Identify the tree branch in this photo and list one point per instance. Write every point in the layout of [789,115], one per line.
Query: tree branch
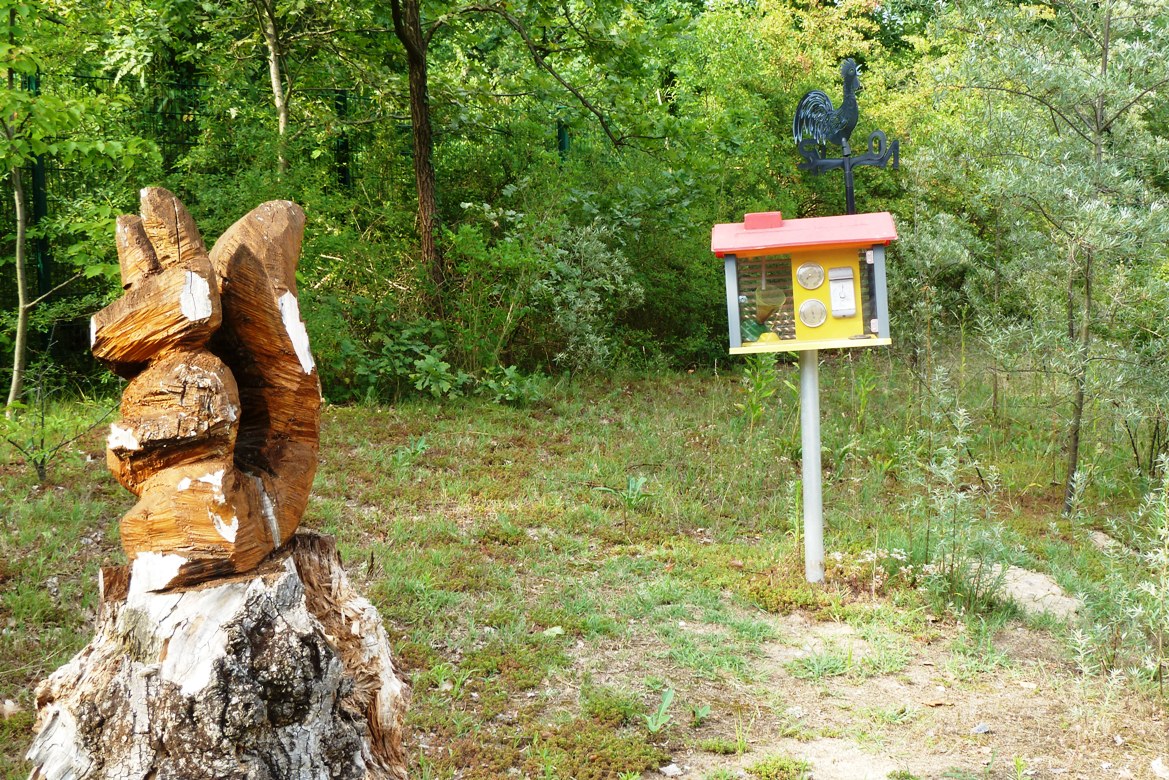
[1051,220]
[538,58]
[68,281]
[1032,96]
[1120,112]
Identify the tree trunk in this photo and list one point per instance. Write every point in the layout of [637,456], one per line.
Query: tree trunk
[408,28]
[20,343]
[285,674]
[1081,384]
[267,14]
[1083,340]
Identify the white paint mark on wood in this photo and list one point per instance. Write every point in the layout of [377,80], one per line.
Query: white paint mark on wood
[92,331]
[154,571]
[290,312]
[122,439]
[226,530]
[215,479]
[195,298]
[184,483]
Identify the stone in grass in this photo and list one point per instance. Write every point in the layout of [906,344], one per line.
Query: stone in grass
[671,770]
[281,674]
[1036,593]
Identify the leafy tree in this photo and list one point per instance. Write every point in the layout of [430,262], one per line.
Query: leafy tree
[34,123]
[551,37]
[1067,86]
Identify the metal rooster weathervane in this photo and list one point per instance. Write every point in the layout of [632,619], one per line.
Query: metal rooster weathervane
[816,124]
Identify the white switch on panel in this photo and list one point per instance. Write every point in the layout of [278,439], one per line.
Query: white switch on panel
[841,294]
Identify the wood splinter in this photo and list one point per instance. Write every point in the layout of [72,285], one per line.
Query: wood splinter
[220,421]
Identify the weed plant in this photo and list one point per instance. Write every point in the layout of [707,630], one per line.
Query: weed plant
[955,540]
[46,428]
[1129,609]
[760,383]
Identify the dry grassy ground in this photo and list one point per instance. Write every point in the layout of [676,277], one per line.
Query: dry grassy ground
[551,574]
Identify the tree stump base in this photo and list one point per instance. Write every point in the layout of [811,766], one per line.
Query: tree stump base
[284,673]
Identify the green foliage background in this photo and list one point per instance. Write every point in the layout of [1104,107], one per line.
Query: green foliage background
[1030,200]
[1028,291]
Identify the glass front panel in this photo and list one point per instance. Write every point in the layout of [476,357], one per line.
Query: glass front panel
[766,303]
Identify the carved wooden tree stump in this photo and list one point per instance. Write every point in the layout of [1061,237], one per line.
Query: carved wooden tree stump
[229,647]
[284,674]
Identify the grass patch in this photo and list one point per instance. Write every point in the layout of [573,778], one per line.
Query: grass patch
[890,716]
[883,656]
[504,576]
[780,768]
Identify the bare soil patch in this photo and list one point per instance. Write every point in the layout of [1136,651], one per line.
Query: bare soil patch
[1026,713]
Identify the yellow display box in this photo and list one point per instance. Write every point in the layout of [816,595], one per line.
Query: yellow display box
[803,284]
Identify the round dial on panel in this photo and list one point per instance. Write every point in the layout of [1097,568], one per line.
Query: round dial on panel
[810,275]
[813,313]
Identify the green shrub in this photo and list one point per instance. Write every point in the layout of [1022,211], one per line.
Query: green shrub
[577,299]
[509,386]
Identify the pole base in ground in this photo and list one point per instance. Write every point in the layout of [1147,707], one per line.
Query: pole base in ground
[284,673]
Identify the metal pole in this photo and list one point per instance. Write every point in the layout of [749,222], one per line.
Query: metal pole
[810,457]
[341,144]
[562,138]
[849,189]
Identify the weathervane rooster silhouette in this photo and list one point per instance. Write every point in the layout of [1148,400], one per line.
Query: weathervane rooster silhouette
[816,124]
[816,119]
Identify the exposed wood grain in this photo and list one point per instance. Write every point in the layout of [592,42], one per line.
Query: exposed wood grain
[361,641]
[177,308]
[171,230]
[135,252]
[183,408]
[265,343]
[220,421]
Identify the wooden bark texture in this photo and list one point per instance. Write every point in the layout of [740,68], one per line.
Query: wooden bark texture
[219,436]
[283,674]
[360,638]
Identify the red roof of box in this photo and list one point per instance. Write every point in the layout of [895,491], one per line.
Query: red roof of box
[769,231]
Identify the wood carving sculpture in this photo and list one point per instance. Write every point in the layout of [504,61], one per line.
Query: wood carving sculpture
[285,672]
[220,420]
